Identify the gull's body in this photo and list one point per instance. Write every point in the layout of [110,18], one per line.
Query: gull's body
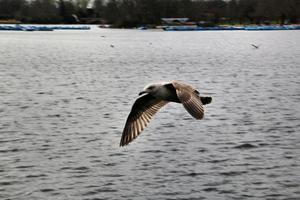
[154,97]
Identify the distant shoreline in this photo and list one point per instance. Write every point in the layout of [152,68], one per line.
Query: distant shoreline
[149,26]
[52,27]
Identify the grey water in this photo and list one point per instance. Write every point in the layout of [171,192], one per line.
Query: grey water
[65,96]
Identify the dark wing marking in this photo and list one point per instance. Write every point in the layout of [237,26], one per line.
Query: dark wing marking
[140,115]
[190,99]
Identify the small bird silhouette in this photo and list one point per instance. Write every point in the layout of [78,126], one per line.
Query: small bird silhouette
[255,46]
[154,97]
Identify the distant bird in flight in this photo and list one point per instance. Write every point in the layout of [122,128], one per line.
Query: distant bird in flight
[255,46]
[154,97]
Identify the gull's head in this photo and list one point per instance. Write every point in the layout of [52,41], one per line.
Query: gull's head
[151,88]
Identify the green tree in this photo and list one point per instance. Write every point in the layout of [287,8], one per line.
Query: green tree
[99,8]
[12,9]
[112,12]
[43,11]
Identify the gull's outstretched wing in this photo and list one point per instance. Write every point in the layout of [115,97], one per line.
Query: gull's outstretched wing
[188,96]
[140,115]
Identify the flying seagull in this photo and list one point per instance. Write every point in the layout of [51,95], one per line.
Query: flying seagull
[255,46]
[154,97]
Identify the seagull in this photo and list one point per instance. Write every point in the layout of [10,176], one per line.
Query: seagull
[255,46]
[155,96]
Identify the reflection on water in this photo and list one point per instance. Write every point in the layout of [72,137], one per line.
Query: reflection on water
[65,96]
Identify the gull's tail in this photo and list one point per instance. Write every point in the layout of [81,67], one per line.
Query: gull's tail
[206,100]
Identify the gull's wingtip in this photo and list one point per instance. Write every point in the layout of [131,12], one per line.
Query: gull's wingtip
[122,144]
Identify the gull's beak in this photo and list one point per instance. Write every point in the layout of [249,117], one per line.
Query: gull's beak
[142,92]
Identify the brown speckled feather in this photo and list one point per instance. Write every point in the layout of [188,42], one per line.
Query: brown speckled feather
[188,96]
[141,113]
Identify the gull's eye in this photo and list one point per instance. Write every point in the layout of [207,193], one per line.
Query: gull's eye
[151,87]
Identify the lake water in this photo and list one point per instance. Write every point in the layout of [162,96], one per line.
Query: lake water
[65,96]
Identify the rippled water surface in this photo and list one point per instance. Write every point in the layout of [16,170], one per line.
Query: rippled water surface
[65,96]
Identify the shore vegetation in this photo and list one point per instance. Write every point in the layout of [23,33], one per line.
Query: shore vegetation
[133,13]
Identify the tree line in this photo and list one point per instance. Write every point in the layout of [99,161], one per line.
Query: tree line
[131,13]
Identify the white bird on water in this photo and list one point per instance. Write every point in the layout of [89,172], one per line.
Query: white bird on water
[154,97]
